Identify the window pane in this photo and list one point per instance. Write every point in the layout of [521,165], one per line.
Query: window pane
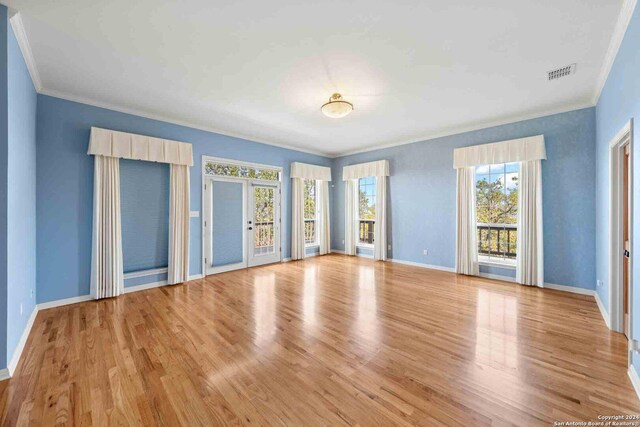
[497,210]
[264,227]
[309,199]
[309,211]
[240,171]
[497,169]
[366,209]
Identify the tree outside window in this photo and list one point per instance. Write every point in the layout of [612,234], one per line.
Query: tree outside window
[497,211]
[310,212]
[366,209]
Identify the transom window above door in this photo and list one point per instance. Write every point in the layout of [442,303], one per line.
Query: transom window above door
[497,213]
[240,170]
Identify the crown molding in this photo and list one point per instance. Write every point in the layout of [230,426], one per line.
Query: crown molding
[619,30]
[621,25]
[470,128]
[25,48]
[167,119]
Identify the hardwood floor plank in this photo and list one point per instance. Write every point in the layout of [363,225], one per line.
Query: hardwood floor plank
[333,340]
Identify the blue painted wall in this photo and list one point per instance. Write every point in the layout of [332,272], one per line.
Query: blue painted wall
[21,196]
[619,102]
[64,185]
[144,211]
[422,189]
[4,155]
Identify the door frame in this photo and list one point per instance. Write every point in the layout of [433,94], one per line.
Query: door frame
[203,178]
[616,194]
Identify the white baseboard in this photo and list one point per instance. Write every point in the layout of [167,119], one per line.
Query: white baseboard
[4,374]
[635,379]
[572,289]
[286,260]
[137,288]
[65,301]
[13,363]
[196,277]
[337,251]
[603,311]
[421,265]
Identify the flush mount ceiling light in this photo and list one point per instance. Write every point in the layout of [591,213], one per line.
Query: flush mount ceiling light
[336,107]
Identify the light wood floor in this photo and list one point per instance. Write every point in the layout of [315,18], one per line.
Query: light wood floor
[331,340]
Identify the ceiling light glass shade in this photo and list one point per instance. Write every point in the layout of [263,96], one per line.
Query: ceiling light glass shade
[337,107]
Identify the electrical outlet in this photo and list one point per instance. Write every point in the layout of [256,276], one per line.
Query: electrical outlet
[20,309]
[425,252]
[599,283]
[31,293]
[343,242]
[389,247]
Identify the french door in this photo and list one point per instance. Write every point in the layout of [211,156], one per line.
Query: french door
[241,223]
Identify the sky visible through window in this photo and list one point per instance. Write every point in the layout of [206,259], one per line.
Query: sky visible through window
[367,198]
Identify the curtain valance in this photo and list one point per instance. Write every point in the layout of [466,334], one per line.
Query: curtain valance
[363,170]
[515,150]
[111,143]
[307,171]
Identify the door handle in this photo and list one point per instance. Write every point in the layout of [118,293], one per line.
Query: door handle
[250,228]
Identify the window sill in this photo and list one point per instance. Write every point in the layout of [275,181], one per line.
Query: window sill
[311,245]
[490,263]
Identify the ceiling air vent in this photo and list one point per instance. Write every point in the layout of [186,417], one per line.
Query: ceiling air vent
[561,72]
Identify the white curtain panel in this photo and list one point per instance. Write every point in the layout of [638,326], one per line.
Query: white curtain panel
[297,218]
[324,229]
[350,213]
[466,239]
[380,230]
[530,260]
[179,217]
[107,276]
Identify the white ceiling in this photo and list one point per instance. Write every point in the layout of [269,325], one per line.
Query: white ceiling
[261,69]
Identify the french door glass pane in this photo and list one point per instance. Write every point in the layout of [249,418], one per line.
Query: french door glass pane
[264,227]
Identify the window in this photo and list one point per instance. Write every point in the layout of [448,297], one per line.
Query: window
[497,212]
[366,210]
[241,171]
[310,213]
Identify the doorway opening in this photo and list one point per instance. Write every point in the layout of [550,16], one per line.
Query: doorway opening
[621,204]
[241,214]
